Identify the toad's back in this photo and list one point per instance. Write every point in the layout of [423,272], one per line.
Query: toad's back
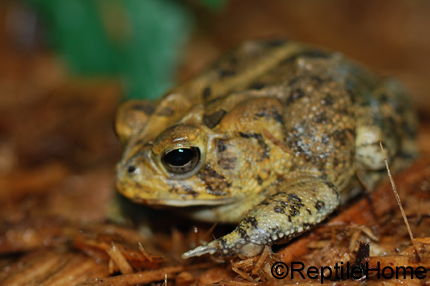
[268,136]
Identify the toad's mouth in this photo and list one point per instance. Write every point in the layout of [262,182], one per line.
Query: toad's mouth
[185,202]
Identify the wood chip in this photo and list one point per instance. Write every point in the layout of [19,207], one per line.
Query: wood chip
[119,260]
[261,260]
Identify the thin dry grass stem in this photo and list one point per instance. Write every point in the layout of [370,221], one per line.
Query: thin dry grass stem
[358,229]
[368,232]
[399,202]
[147,256]
[261,260]
[210,230]
[277,142]
[198,238]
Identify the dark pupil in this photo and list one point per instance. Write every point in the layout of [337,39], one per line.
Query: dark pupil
[179,157]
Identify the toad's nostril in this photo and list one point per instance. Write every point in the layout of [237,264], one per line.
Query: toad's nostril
[131,169]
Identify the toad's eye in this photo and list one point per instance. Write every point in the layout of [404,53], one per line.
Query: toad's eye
[181,160]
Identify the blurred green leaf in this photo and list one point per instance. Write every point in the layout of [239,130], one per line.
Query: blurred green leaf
[140,40]
[75,29]
[161,29]
[214,4]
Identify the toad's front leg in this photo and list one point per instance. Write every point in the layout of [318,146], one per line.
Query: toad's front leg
[277,219]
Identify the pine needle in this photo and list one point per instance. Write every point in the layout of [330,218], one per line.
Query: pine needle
[399,203]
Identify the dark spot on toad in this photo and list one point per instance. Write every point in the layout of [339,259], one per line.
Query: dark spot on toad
[272,113]
[209,172]
[321,118]
[263,145]
[226,73]
[213,119]
[307,225]
[217,191]
[257,85]
[340,136]
[335,162]
[215,183]
[328,100]
[252,221]
[222,242]
[166,111]
[228,163]
[148,109]
[277,116]
[317,80]
[295,94]
[242,232]
[190,190]
[319,205]
[294,211]
[383,98]
[294,197]
[207,92]
[330,185]
[259,180]
[221,147]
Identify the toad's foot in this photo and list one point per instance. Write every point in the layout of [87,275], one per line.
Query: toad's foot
[277,219]
[231,244]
